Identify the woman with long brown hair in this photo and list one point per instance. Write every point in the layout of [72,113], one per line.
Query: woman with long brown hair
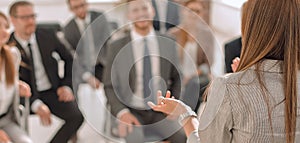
[10,130]
[259,102]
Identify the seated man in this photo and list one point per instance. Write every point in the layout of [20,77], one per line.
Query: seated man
[50,93]
[139,64]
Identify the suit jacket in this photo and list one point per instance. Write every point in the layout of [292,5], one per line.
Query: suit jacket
[172,15]
[232,50]
[120,74]
[48,44]
[236,111]
[101,32]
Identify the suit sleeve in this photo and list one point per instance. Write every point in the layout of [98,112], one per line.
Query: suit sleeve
[109,78]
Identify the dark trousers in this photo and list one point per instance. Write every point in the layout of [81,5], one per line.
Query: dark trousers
[155,127]
[67,111]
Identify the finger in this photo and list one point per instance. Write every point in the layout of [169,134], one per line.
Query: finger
[173,97]
[129,128]
[122,130]
[151,104]
[136,122]
[158,95]
[49,121]
[168,94]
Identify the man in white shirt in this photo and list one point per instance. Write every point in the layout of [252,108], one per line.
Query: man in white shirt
[139,64]
[50,93]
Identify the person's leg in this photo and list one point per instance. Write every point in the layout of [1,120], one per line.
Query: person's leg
[137,134]
[69,112]
[16,134]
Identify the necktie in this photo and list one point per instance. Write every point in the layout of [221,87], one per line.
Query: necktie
[147,74]
[32,65]
[31,55]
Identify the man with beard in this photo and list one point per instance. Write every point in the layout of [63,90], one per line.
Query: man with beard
[139,64]
[50,93]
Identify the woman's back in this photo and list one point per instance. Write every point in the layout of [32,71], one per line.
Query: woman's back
[245,109]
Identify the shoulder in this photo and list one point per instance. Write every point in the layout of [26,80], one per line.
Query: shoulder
[93,12]
[44,32]
[70,23]
[119,43]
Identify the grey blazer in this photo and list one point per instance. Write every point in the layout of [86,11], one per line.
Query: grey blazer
[100,29]
[120,75]
[236,111]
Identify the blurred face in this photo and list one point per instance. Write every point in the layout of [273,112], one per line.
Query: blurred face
[141,13]
[4,33]
[196,8]
[79,8]
[24,20]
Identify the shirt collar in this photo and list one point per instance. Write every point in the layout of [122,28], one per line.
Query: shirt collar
[86,20]
[24,43]
[136,36]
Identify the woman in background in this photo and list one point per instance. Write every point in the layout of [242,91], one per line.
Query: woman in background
[10,130]
[195,47]
[258,103]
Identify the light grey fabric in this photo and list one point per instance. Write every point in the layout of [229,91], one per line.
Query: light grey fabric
[237,113]
[16,134]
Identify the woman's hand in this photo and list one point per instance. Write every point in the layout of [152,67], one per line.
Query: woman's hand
[168,105]
[4,138]
[235,64]
[24,89]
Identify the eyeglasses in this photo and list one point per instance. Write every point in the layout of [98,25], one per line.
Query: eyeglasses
[76,7]
[26,17]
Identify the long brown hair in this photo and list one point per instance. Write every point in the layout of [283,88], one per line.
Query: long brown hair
[271,30]
[6,61]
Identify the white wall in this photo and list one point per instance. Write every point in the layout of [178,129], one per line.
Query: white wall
[225,20]
[57,10]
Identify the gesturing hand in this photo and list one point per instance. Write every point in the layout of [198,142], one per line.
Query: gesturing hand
[168,105]
[4,138]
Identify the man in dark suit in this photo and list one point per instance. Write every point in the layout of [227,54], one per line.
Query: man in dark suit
[139,64]
[39,68]
[87,41]
[232,50]
[166,15]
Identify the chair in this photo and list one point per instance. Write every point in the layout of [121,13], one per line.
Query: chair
[25,112]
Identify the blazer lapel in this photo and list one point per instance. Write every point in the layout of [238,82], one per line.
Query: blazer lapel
[76,31]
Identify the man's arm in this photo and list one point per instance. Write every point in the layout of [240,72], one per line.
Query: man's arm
[110,77]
